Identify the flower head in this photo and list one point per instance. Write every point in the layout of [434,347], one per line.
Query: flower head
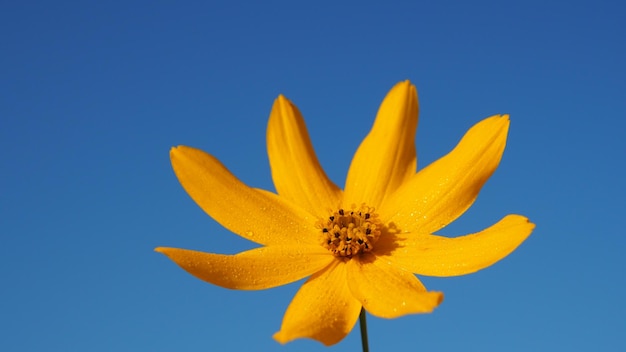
[361,246]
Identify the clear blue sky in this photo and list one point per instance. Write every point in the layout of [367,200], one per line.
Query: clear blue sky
[93,95]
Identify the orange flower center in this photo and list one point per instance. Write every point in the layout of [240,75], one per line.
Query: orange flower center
[349,232]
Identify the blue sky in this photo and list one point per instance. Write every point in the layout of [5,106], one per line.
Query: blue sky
[93,95]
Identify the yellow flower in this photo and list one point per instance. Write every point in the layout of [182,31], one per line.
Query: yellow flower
[361,246]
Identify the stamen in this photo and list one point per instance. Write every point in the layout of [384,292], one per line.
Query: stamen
[352,232]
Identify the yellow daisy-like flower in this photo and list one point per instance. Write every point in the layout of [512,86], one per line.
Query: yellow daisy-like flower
[361,246]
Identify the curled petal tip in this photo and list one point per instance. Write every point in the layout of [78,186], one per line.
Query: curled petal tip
[406,84]
[280,338]
[281,103]
[440,297]
[433,299]
[177,149]
[501,118]
[531,225]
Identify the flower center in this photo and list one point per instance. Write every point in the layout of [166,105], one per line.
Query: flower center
[349,232]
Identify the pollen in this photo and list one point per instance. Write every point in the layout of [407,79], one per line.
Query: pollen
[347,233]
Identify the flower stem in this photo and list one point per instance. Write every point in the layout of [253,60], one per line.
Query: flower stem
[363,325]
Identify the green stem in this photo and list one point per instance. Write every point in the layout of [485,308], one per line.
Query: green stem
[363,325]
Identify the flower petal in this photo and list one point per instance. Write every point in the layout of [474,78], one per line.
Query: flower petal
[255,269]
[386,157]
[441,192]
[258,216]
[432,255]
[296,171]
[387,291]
[323,309]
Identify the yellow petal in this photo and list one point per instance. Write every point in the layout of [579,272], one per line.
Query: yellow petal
[386,157]
[258,216]
[323,309]
[387,291]
[441,192]
[255,269]
[432,255]
[296,172]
